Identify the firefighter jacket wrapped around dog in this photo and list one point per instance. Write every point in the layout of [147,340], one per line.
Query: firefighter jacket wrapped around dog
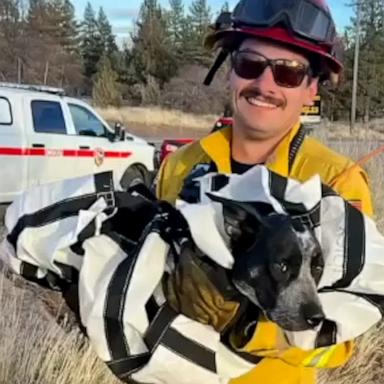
[84,231]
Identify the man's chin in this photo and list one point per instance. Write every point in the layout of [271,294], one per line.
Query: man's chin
[254,132]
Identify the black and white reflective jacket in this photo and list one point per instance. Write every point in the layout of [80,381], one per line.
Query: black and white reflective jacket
[63,231]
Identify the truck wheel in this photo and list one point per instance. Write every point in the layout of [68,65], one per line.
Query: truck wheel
[135,174]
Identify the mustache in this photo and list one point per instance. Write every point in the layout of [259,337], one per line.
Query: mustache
[256,92]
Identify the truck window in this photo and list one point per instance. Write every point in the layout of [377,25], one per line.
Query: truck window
[48,117]
[86,123]
[5,112]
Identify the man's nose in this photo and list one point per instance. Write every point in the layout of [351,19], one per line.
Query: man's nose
[266,80]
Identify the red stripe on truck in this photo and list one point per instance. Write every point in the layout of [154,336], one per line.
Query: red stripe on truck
[12,151]
[86,153]
[22,151]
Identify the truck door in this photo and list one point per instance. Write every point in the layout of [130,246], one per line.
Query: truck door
[57,153]
[92,133]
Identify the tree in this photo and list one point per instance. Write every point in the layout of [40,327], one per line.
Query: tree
[370,95]
[371,68]
[176,26]
[152,52]
[91,44]
[69,28]
[108,42]
[106,90]
[199,21]
[67,39]
[11,27]
[51,53]
[225,7]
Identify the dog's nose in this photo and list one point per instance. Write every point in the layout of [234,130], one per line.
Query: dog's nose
[315,320]
[313,314]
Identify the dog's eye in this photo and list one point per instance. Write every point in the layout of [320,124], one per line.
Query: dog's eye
[317,272]
[318,269]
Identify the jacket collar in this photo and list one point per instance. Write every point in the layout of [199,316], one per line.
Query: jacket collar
[218,147]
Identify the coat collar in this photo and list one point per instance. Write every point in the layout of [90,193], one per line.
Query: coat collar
[218,147]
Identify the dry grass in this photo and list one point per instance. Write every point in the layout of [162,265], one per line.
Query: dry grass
[356,150]
[367,363]
[34,349]
[155,121]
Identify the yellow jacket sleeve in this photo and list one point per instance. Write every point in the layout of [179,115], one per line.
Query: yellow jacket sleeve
[160,181]
[268,341]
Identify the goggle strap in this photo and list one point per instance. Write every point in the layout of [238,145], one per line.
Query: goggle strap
[221,57]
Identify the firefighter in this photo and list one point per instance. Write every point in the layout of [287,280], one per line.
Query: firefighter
[279,52]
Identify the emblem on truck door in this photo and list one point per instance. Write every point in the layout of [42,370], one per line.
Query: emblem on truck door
[99,156]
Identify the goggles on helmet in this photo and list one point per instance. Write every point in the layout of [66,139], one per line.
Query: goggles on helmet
[304,17]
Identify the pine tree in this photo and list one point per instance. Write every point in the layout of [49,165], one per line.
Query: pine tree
[225,7]
[190,48]
[176,25]
[372,57]
[200,19]
[152,52]
[106,90]
[10,38]
[371,62]
[69,28]
[91,42]
[38,18]
[105,30]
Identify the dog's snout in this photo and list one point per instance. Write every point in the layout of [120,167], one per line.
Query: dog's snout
[313,314]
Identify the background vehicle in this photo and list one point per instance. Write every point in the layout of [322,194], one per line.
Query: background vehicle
[46,136]
[171,145]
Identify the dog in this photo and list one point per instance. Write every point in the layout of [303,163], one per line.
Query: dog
[278,263]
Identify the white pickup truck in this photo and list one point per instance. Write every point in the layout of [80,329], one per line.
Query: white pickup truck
[46,136]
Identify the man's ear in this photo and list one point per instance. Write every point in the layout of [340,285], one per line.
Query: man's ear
[242,218]
[312,90]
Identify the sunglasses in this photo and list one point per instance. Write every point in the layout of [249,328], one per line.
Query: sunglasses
[286,73]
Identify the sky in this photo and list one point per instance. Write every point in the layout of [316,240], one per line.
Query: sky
[122,13]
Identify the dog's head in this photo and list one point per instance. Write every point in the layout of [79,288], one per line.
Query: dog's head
[278,264]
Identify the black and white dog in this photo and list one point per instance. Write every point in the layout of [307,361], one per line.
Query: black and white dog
[278,263]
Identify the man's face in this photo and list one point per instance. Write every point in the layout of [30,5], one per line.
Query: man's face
[262,108]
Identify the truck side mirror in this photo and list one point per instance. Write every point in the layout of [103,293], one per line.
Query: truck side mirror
[119,132]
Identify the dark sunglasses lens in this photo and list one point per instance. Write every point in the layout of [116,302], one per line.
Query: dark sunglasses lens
[288,76]
[248,68]
[286,73]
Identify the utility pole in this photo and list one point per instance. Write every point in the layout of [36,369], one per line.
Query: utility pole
[355,67]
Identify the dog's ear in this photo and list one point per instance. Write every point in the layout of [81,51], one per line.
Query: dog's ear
[242,218]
